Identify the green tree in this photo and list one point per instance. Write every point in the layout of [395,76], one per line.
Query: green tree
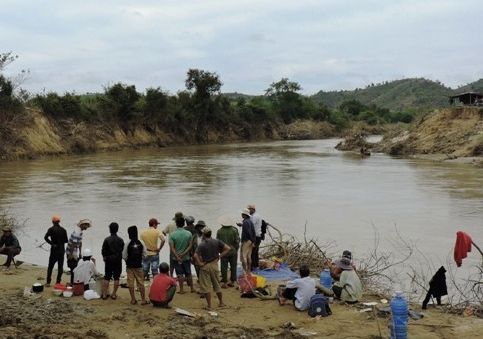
[119,102]
[204,86]
[287,102]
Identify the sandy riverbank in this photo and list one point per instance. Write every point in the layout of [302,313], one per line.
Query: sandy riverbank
[46,316]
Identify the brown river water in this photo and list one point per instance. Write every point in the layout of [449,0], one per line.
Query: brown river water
[340,196]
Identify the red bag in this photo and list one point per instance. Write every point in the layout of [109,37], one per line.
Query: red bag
[247,283]
[78,289]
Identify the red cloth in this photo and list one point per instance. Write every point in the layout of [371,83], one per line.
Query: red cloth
[462,247]
[159,289]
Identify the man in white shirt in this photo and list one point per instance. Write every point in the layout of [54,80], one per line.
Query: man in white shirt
[86,269]
[299,290]
[257,223]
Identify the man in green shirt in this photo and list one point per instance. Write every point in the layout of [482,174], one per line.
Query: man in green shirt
[180,243]
[230,236]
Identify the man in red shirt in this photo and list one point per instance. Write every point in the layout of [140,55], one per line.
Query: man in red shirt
[163,288]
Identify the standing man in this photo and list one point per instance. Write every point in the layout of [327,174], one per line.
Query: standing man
[133,253]
[112,248]
[151,237]
[170,228]
[248,238]
[257,224]
[74,246]
[9,245]
[206,256]
[180,242]
[230,236]
[56,237]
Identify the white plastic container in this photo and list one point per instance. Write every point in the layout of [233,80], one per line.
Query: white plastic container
[67,294]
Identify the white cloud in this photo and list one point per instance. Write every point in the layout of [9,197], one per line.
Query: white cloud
[325,44]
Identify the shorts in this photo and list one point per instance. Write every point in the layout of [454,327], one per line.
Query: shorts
[246,251]
[183,268]
[135,274]
[112,270]
[209,277]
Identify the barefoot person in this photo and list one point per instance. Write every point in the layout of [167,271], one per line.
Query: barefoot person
[230,236]
[207,255]
[74,246]
[180,242]
[9,245]
[299,290]
[112,253]
[56,237]
[133,254]
[163,289]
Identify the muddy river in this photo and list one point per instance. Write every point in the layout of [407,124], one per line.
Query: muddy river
[341,197]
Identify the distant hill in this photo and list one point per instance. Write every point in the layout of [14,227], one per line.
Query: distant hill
[476,86]
[414,93]
[236,95]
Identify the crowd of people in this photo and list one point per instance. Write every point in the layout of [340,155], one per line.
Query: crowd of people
[190,244]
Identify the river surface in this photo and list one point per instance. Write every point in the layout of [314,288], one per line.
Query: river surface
[340,196]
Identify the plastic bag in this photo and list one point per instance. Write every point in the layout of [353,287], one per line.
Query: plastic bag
[90,294]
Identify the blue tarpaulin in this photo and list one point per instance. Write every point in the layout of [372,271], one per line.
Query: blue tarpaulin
[284,273]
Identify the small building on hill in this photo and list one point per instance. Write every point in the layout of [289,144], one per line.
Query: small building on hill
[467,98]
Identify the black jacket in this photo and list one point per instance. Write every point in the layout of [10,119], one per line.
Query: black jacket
[56,237]
[112,248]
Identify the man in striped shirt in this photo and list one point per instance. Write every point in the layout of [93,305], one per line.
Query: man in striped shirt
[74,246]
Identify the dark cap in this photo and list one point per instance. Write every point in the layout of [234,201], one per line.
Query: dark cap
[178,215]
[153,222]
[200,223]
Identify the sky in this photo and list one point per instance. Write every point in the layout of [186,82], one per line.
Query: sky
[84,46]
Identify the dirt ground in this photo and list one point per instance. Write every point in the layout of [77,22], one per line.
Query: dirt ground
[47,316]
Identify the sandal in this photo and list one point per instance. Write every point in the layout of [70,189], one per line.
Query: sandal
[105,297]
[144,302]
[113,297]
[134,302]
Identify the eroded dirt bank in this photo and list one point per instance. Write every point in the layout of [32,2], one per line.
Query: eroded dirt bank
[36,135]
[445,134]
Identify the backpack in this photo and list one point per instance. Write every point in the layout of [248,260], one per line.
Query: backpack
[319,305]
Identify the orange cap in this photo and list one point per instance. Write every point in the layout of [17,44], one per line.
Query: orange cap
[56,218]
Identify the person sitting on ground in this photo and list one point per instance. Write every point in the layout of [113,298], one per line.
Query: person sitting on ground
[9,245]
[230,236]
[335,271]
[207,255]
[133,254]
[180,242]
[299,290]
[85,272]
[248,239]
[348,288]
[56,237]
[154,241]
[163,289]
[112,248]
[74,246]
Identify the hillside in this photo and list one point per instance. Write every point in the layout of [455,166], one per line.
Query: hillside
[476,86]
[415,93]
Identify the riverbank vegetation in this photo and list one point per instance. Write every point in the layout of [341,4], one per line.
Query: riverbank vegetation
[122,116]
